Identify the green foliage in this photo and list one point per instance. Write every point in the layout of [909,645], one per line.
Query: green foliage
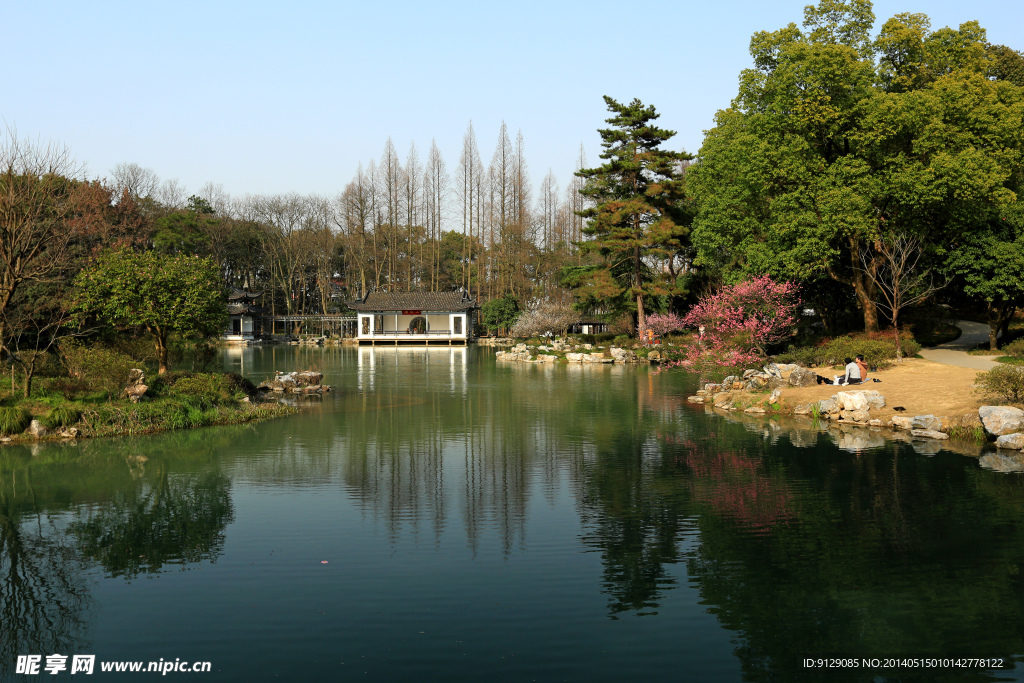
[500,314]
[835,142]
[14,420]
[101,368]
[1005,382]
[162,295]
[640,213]
[211,388]
[1015,348]
[61,416]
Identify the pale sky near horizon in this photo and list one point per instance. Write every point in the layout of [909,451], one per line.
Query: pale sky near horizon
[267,97]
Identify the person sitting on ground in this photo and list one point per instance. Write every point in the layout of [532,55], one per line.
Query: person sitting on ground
[859,360]
[852,375]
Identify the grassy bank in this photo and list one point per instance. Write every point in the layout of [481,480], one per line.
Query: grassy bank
[181,400]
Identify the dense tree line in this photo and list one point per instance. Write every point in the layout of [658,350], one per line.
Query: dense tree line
[837,146]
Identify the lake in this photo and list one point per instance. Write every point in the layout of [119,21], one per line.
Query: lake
[440,516]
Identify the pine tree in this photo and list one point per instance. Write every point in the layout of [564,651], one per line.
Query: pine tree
[636,218]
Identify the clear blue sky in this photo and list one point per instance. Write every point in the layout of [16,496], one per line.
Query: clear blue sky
[275,97]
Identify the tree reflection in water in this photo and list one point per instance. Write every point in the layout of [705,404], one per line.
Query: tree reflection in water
[163,520]
[44,599]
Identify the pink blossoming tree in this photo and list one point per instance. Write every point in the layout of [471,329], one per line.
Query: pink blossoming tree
[737,324]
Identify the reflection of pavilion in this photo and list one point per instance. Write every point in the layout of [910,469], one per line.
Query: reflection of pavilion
[439,365]
[415,318]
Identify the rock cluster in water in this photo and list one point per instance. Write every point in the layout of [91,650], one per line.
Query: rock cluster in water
[573,353]
[306,382]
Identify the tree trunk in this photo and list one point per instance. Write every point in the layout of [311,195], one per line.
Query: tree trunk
[864,289]
[161,351]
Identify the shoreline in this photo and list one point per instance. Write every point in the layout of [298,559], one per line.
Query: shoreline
[930,405]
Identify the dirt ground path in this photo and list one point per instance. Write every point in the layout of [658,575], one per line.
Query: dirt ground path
[921,386]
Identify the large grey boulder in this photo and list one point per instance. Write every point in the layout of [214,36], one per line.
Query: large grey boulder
[1013,442]
[902,422]
[802,377]
[999,420]
[36,428]
[927,422]
[928,434]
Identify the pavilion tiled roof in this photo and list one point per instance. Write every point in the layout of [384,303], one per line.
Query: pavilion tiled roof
[414,301]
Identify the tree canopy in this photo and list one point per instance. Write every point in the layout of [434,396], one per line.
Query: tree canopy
[836,141]
[638,215]
[160,294]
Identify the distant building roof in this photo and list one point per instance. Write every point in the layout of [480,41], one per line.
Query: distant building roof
[414,301]
[243,309]
[241,295]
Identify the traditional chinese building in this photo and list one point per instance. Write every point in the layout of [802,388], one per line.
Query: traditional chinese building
[245,318]
[415,318]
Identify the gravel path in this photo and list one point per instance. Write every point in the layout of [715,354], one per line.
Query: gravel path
[955,352]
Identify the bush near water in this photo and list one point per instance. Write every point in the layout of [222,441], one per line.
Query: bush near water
[878,349]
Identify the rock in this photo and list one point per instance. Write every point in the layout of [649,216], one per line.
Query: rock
[875,423]
[776,382]
[775,396]
[747,374]
[928,434]
[518,348]
[712,388]
[773,370]
[852,400]
[754,410]
[860,416]
[135,389]
[654,355]
[574,357]
[5,439]
[720,397]
[69,433]
[1000,420]
[926,422]
[802,410]
[786,367]
[1014,442]
[547,359]
[758,382]
[902,422]
[36,428]
[695,399]
[728,381]
[802,377]
[828,405]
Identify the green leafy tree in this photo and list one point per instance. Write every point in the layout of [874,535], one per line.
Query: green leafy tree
[500,314]
[162,295]
[836,142]
[638,215]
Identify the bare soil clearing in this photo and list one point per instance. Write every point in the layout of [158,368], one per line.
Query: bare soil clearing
[921,386]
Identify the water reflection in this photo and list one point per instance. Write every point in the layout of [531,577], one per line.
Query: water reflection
[44,597]
[802,539]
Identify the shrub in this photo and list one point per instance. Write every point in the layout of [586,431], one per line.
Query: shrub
[621,340]
[14,420]
[1005,381]
[878,349]
[212,387]
[62,416]
[100,367]
[70,387]
[1015,348]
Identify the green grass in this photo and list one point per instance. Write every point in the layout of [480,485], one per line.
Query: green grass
[1010,360]
[14,420]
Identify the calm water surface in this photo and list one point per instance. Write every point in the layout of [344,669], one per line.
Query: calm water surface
[441,517]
